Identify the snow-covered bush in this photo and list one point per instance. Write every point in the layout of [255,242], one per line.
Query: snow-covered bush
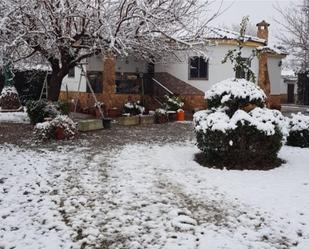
[61,127]
[133,108]
[238,132]
[173,103]
[298,131]
[161,116]
[9,98]
[39,110]
[235,94]
[266,115]
[240,142]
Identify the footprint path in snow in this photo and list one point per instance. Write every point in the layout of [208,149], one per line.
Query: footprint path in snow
[146,196]
[129,197]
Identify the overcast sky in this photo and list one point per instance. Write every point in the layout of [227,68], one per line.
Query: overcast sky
[258,10]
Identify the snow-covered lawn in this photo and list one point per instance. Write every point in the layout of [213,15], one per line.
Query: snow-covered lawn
[149,196]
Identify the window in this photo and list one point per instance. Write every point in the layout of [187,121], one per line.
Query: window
[129,83]
[240,72]
[199,68]
[96,81]
[71,73]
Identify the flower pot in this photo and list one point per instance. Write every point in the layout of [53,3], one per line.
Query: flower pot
[171,116]
[107,123]
[161,119]
[180,115]
[114,113]
[60,133]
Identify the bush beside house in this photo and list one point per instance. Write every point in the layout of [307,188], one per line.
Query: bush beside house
[242,138]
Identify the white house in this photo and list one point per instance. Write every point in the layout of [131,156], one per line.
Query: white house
[114,80]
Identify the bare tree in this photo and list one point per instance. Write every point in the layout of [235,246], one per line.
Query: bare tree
[295,32]
[65,32]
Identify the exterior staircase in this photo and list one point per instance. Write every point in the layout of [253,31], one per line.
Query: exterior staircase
[166,84]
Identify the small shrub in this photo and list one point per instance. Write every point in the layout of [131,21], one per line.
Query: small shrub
[161,116]
[298,131]
[173,103]
[60,124]
[239,142]
[39,110]
[133,108]
[9,98]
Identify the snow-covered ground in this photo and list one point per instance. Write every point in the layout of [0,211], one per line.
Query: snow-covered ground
[149,196]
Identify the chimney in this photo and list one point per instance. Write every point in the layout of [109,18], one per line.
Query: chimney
[262,31]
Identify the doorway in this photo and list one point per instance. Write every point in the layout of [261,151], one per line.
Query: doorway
[291,88]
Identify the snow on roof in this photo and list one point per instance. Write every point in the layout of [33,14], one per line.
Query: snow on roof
[288,75]
[288,72]
[219,33]
[214,33]
[273,50]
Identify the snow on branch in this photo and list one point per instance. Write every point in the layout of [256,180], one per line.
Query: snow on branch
[65,32]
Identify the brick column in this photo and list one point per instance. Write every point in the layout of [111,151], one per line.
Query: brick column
[109,75]
[109,86]
[263,80]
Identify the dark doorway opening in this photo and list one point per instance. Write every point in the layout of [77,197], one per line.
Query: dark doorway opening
[291,98]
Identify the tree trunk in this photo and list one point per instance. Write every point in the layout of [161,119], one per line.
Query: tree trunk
[54,85]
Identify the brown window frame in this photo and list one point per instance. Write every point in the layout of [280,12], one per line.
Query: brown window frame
[207,68]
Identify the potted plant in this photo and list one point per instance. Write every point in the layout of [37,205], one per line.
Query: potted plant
[172,105]
[161,116]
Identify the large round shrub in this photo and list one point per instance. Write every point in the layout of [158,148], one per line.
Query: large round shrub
[237,132]
[235,94]
[298,131]
[239,142]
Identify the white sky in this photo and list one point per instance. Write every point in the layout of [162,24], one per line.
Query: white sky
[258,10]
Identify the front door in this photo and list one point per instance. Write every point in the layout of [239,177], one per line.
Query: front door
[291,93]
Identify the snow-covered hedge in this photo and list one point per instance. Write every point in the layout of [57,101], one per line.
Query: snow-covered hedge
[235,94]
[240,142]
[238,132]
[9,98]
[173,103]
[61,127]
[265,120]
[298,131]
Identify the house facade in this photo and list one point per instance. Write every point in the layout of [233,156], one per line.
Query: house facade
[117,80]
